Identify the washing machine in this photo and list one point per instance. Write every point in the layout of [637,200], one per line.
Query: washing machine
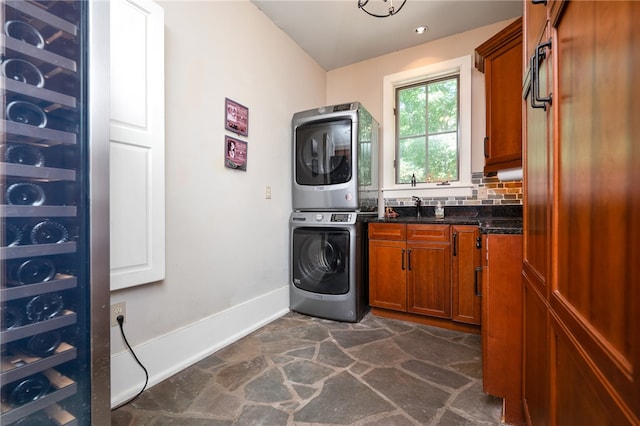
[328,265]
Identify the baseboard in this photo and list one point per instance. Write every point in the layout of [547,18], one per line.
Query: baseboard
[173,352]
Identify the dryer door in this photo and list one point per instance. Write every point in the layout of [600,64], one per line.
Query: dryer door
[323,153]
[321,260]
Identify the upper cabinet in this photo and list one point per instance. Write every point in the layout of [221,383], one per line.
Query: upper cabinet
[500,59]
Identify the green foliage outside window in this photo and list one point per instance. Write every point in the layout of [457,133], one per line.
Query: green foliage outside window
[427,131]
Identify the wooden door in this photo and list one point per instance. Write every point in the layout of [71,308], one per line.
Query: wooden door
[502,322]
[387,266]
[387,276]
[595,345]
[429,270]
[503,85]
[537,185]
[466,274]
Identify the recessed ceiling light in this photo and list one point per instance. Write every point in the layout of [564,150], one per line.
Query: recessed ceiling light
[421,29]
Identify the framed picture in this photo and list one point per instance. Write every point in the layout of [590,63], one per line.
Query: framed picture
[235,153]
[236,117]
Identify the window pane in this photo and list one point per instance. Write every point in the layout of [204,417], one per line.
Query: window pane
[427,126]
[443,106]
[443,157]
[413,157]
[412,105]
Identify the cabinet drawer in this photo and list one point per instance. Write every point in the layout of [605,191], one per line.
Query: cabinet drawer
[438,233]
[387,231]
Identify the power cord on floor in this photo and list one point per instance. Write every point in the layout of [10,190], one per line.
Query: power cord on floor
[120,319]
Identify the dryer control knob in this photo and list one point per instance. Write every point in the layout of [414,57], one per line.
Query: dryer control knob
[319,217]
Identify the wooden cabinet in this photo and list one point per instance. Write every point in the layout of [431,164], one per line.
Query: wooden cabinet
[387,266]
[413,271]
[500,58]
[581,358]
[502,322]
[466,270]
[429,270]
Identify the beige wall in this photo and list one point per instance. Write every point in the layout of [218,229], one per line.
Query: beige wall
[363,81]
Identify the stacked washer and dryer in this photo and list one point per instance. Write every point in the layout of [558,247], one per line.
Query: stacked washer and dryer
[335,184]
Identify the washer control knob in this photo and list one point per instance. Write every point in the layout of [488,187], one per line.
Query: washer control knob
[319,217]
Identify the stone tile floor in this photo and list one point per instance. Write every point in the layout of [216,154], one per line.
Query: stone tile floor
[300,370]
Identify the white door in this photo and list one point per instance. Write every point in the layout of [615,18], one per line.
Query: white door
[137,143]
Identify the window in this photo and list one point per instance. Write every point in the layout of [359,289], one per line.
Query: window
[434,145]
[427,131]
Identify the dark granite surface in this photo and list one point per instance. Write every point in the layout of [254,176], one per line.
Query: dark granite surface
[490,219]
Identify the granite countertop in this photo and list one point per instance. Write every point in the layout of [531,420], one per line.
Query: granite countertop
[490,219]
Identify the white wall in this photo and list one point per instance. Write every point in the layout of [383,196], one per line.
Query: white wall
[363,81]
[227,246]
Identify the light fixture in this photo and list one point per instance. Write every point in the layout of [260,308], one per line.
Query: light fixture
[376,11]
[421,29]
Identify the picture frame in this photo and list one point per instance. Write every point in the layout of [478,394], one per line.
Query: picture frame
[236,117]
[235,156]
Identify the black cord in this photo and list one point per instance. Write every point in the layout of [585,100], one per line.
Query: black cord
[120,319]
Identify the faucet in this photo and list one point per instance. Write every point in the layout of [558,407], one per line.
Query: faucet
[418,202]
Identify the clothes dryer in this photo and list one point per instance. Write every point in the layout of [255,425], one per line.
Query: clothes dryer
[335,159]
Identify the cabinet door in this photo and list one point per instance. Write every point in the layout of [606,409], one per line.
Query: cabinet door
[429,279]
[387,276]
[503,85]
[537,149]
[594,295]
[535,360]
[502,322]
[466,274]
[538,180]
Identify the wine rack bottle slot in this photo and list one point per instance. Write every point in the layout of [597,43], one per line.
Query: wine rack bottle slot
[33,310]
[41,231]
[26,390]
[22,71]
[57,156]
[41,114]
[36,193]
[30,271]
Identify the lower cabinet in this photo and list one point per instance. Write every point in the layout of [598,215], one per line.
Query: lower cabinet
[502,304]
[466,267]
[423,270]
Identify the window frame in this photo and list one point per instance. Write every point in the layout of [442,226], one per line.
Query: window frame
[461,66]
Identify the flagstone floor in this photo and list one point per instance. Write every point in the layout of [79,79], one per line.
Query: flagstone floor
[300,370]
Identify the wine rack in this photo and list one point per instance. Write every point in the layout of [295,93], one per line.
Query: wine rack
[40,174]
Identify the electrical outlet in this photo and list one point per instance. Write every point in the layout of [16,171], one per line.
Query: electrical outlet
[267,193]
[117,309]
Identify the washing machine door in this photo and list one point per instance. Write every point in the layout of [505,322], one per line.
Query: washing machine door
[321,260]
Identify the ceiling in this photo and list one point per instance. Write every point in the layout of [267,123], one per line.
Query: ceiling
[336,33]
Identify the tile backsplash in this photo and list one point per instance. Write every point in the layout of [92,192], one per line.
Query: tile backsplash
[486,191]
